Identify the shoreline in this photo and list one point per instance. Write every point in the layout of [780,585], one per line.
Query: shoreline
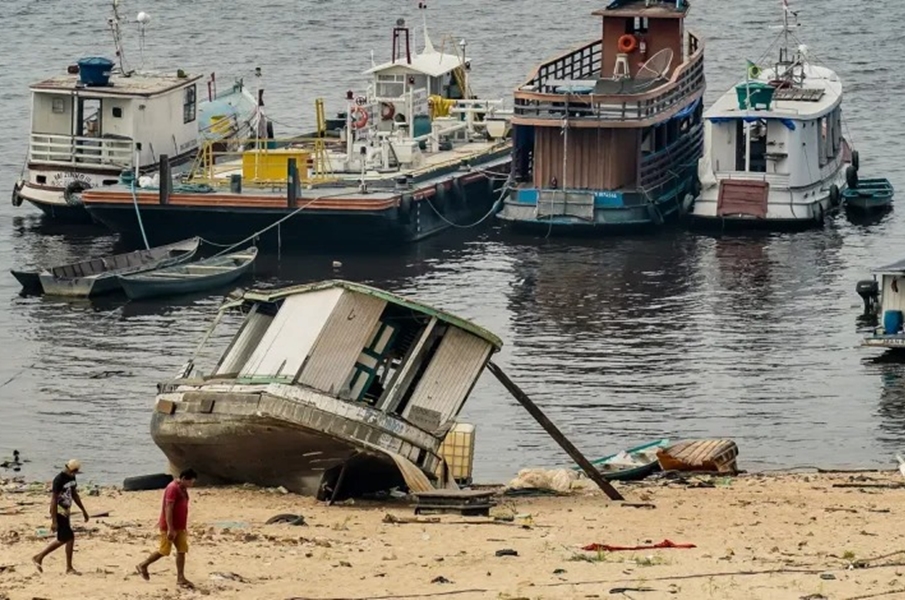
[758,536]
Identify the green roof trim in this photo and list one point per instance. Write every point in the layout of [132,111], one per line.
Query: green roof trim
[275,294]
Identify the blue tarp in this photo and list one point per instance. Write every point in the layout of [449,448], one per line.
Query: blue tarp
[687,110]
[751,118]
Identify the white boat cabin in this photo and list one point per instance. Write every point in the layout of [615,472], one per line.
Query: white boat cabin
[890,306]
[109,123]
[358,344]
[416,103]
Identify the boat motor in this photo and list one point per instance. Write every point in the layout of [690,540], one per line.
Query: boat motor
[869,291]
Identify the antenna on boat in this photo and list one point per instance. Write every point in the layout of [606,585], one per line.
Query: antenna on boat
[142,19]
[113,23]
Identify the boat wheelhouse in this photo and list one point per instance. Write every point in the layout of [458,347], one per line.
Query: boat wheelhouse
[325,385]
[99,119]
[607,136]
[884,301]
[774,153]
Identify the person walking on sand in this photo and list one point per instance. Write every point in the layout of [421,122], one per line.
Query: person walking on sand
[63,493]
[173,525]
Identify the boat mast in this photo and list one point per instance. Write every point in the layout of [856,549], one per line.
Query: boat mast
[113,23]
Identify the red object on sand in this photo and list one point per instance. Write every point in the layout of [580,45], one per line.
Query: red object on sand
[663,544]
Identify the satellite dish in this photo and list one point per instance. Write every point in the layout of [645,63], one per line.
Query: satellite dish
[657,66]
[143,18]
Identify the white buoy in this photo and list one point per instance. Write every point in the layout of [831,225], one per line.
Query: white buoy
[143,18]
[337,264]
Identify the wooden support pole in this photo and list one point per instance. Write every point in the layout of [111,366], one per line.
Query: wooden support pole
[166,179]
[554,432]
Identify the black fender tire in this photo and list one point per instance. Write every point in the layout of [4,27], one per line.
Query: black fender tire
[74,187]
[856,160]
[834,195]
[287,518]
[141,483]
[851,177]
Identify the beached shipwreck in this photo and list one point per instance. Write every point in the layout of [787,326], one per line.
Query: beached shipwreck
[331,389]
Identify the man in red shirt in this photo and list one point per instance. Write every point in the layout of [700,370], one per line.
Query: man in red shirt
[173,525]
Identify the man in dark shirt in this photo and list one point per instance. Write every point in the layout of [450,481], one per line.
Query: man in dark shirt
[64,493]
[173,527]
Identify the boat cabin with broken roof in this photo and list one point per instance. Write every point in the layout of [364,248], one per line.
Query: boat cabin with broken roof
[324,379]
[607,136]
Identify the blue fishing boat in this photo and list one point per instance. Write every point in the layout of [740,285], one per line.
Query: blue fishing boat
[606,138]
[868,195]
[632,464]
[188,278]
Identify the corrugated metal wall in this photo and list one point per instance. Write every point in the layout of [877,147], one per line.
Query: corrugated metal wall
[349,329]
[447,380]
[253,330]
[597,159]
[291,335]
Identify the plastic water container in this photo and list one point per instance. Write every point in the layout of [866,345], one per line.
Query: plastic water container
[95,71]
[421,126]
[892,322]
[458,450]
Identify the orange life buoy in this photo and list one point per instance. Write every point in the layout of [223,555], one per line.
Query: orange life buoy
[362,117]
[387,110]
[627,43]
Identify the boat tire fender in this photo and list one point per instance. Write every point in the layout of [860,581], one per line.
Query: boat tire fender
[405,208]
[70,194]
[387,110]
[851,177]
[17,196]
[139,483]
[856,160]
[627,43]
[834,195]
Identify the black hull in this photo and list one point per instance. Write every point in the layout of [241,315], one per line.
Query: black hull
[75,214]
[729,225]
[321,228]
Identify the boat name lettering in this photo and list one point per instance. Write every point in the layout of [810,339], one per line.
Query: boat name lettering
[188,145]
[64,179]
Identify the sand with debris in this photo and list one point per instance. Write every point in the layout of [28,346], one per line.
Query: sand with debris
[758,536]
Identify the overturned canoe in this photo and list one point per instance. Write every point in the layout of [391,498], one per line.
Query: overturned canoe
[700,455]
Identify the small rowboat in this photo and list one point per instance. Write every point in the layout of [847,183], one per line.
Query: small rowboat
[97,276]
[700,455]
[632,464]
[188,278]
[870,194]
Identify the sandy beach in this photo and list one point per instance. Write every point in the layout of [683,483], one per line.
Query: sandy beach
[776,536]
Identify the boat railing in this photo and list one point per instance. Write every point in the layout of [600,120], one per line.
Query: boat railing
[779,180]
[73,150]
[538,103]
[262,163]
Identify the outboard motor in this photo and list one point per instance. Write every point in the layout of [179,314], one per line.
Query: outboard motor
[869,291]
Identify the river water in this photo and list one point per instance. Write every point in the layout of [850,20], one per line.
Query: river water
[620,340]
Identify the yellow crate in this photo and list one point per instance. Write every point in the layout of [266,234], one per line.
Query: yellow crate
[458,450]
[273,165]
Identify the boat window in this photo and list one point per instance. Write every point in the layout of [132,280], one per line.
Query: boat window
[189,104]
[390,86]
[637,25]
[58,105]
[822,139]
[117,112]
[758,143]
[89,117]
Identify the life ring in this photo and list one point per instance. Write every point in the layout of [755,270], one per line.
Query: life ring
[17,196]
[387,110]
[362,120]
[627,43]
[70,194]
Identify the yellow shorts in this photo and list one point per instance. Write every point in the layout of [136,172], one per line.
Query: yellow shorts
[181,543]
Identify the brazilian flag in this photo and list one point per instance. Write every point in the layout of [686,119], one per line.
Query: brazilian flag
[753,70]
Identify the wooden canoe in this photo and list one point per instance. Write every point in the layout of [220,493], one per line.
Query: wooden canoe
[632,464]
[190,277]
[700,455]
[98,276]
